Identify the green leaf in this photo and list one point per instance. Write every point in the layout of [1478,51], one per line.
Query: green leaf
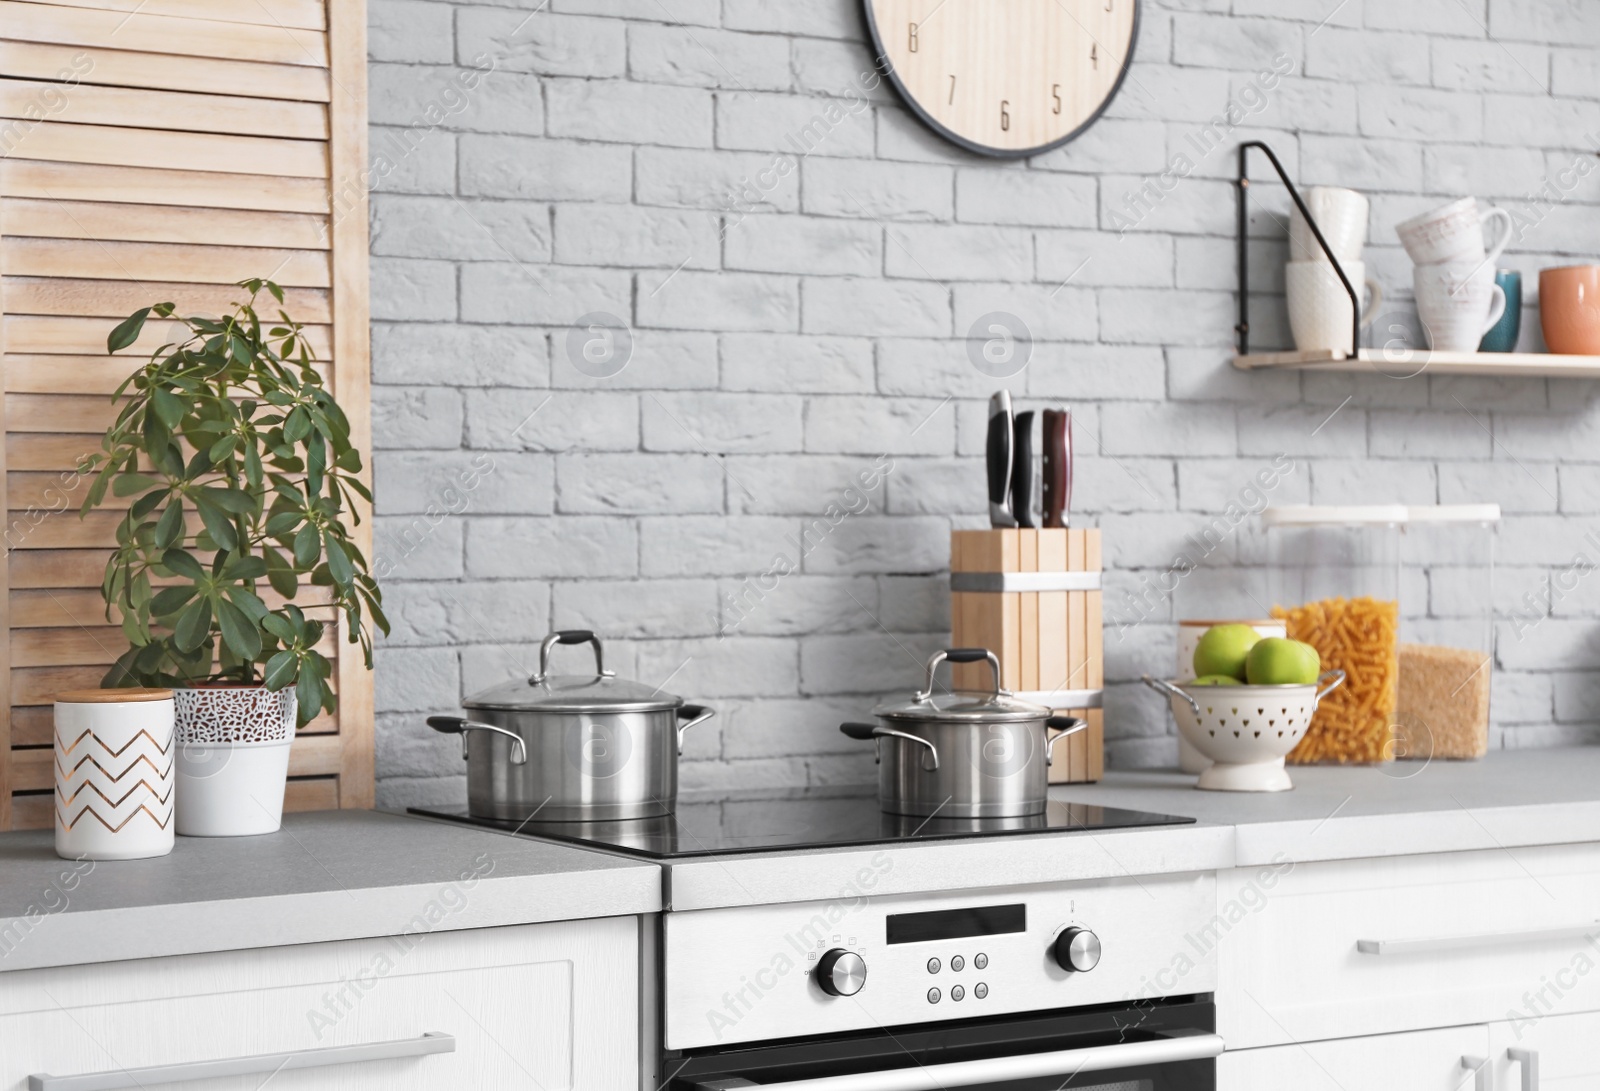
[182,563]
[170,528]
[217,523]
[238,632]
[169,600]
[193,626]
[233,501]
[128,484]
[277,292]
[250,603]
[307,547]
[298,425]
[168,406]
[338,563]
[127,331]
[280,627]
[223,448]
[252,467]
[245,568]
[280,573]
[146,504]
[308,691]
[281,670]
[283,522]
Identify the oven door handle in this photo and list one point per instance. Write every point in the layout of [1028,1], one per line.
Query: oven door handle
[1168,1049]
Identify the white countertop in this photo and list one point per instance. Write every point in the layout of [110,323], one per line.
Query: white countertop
[327,875]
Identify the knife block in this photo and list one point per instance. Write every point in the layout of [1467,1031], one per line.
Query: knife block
[1033,598]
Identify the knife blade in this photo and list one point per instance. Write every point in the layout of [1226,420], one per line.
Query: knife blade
[998,455]
[1072,465]
[1022,471]
[1056,468]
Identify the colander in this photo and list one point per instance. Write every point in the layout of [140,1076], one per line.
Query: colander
[1245,730]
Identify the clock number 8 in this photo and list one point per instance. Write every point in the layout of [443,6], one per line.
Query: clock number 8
[1005,115]
[911,37]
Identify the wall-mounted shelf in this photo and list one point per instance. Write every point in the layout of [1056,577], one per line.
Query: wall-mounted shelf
[1415,362]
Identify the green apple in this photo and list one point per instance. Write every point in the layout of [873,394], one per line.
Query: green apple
[1216,680]
[1279,662]
[1223,650]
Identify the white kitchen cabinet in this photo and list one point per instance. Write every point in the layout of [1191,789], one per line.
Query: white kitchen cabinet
[1424,1060]
[1346,948]
[544,1007]
[1565,1050]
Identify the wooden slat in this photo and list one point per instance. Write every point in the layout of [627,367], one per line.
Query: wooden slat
[183,111]
[80,606]
[117,300]
[302,14]
[314,794]
[152,185]
[59,413]
[51,568]
[32,726]
[119,146]
[39,685]
[47,334]
[30,217]
[33,769]
[48,491]
[147,261]
[162,71]
[96,646]
[61,529]
[6,815]
[48,452]
[33,812]
[146,33]
[347,41]
[34,373]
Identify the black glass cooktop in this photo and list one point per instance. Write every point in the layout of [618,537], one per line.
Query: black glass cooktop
[774,820]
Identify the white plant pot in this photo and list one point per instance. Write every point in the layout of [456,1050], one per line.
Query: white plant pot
[113,759]
[233,759]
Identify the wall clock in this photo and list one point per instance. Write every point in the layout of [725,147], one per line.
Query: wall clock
[1007,78]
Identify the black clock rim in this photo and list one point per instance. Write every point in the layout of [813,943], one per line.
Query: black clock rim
[887,69]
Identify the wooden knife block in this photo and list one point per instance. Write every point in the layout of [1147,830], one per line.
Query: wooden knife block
[1049,641]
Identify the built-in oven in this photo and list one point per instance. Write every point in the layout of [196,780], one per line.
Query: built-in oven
[1165,1046]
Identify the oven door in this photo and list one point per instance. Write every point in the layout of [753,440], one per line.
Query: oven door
[1163,1047]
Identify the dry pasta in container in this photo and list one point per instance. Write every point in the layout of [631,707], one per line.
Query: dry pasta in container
[1446,658]
[1334,579]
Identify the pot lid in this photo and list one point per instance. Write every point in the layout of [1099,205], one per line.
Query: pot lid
[994,706]
[597,693]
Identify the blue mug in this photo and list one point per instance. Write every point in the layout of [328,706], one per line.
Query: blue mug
[1502,336]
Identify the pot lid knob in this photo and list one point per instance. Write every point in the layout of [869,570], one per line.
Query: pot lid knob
[962,655]
[570,636]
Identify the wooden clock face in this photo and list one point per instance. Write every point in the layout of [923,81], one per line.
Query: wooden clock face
[1006,77]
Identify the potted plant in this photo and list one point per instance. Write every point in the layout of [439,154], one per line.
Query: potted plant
[239,473]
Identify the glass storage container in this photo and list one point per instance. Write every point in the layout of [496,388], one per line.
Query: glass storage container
[1334,578]
[1446,659]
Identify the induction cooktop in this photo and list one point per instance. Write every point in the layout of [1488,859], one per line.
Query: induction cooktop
[791,819]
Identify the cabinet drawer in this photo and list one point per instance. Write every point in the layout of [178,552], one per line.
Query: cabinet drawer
[543,1007]
[1424,1060]
[1348,948]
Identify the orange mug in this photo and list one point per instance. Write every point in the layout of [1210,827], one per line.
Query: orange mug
[1569,309]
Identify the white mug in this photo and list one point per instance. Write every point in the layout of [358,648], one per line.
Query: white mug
[1319,307]
[1454,232]
[1341,214]
[1458,302]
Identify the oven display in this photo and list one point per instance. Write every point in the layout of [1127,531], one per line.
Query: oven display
[987,920]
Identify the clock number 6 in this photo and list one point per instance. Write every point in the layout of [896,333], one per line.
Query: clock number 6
[911,37]
[1005,115]
[1055,93]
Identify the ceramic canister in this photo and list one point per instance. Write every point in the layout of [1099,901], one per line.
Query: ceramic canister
[1503,335]
[113,762]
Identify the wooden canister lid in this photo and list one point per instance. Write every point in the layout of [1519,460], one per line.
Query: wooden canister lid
[111,696]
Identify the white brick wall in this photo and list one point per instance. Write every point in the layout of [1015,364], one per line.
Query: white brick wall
[793,316]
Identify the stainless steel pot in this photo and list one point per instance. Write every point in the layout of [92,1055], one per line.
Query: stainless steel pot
[572,748]
[962,754]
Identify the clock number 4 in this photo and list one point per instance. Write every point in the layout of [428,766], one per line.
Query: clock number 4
[1005,115]
[911,37]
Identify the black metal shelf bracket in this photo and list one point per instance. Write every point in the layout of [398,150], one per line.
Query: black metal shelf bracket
[1243,326]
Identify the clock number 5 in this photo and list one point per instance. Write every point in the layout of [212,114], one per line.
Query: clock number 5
[1055,93]
[1005,115]
[911,37]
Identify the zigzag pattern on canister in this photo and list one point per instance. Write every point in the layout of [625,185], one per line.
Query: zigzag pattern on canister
[98,782]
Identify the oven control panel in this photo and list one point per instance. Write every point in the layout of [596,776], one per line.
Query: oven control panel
[779,971]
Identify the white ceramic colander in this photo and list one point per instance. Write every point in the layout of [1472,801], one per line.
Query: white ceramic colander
[1245,730]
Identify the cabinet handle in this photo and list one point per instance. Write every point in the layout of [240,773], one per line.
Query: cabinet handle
[1479,1067]
[1529,1060]
[243,1066]
[1463,943]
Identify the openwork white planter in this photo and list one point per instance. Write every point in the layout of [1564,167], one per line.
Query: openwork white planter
[113,774]
[232,759]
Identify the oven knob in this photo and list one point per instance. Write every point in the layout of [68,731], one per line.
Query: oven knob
[1077,949]
[841,972]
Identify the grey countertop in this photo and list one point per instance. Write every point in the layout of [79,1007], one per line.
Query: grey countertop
[327,875]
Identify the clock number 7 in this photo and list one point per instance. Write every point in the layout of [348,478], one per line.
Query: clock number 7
[911,37]
[952,87]
[1005,115]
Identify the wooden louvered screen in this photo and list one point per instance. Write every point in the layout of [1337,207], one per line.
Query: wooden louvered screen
[154,150]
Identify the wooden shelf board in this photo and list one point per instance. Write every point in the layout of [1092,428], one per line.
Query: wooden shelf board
[1526,364]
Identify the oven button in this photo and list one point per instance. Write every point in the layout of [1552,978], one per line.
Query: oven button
[957,964]
[841,972]
[958,993]
[1077,950]
[980,961]
[933,996]
[980,990]
[933,965]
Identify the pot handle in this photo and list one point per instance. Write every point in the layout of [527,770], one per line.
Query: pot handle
[930,760]
[962,655]
[1067,726]
[1338,680]
[458,725]
[1170,690]
[695,714]
[570,636]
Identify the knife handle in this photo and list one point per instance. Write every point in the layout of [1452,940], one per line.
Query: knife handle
[1072,466]
[1022,472]
[998,457]
[1057,471]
